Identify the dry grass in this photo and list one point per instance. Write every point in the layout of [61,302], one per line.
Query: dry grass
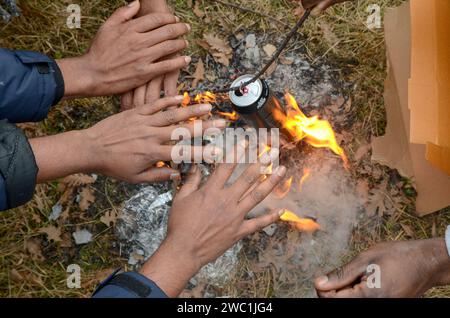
[359,55]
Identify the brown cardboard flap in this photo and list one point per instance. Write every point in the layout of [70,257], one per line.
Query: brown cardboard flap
[394,149]
[439,157]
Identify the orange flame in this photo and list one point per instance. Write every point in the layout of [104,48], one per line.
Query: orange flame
[283,189]
[203,98]
[231,116]
[304,225]
[160,164]
[306,174]
[313,130]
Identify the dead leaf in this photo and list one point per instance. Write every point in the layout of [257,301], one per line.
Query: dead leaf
[77,180]
[87,197]
[362,189]
[197,11]
[408,230]
[110,218]
[53,233]
[66,240]
[362,151]
[219,49]
[199,74]
[328,34]
[286,60]
[33,247]
[16,276]
[269,49]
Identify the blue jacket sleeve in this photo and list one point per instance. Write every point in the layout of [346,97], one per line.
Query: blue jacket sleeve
[128,285]
[30,83]
[3,200]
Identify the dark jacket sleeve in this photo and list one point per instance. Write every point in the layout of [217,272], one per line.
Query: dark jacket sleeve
[30,83]
[18,169]
[128,285]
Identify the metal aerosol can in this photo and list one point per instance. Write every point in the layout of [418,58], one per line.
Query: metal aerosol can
[256,103]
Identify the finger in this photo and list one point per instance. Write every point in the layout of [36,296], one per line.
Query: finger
[174,116]
[126,101]
[164,33]
[322,6]
[195,129]
[252,174]
[164,49]
[192,182]
[342,276]
[154,90]
[124,14]
[158,175]
[259,223]
[179,154]
[139,95]
[358,291]
[153,21]
[261,191]
[154,70]
[170,83]
[310,3]
[160,104]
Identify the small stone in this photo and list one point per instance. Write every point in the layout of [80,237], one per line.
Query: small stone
[82,237]
[271,229]
[250,41]
[56,212]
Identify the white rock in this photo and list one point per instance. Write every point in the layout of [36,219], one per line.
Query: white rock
[250,41]
[82,237]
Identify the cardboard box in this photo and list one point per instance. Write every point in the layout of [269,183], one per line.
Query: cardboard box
[417,102]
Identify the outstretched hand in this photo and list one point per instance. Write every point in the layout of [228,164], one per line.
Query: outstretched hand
[406,269]
[126,53]
[207,220]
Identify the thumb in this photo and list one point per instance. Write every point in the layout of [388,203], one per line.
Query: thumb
[192,182]
[125,13]
[342,276]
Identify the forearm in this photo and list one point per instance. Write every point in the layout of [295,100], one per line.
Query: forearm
[170,270]
[61,155]
[153,6]
[77,81]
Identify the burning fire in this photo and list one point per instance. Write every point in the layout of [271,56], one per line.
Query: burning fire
[313,130]
[208,98]
[306,174]
[301,224]
[283,189]
[231,116]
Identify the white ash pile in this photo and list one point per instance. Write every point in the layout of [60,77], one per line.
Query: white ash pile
[142,227]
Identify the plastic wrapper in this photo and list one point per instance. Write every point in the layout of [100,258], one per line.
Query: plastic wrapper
[143,225]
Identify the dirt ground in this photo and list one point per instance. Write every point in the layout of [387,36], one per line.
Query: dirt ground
[35,249]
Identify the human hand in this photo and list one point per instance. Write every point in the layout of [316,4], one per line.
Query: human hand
[127,145]
[151,91]
[408,269]
[205,221]
[320,5]
[126,53]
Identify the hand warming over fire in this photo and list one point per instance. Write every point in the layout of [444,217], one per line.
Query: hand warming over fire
[207,220]
[406,269]
[320,5]
[125,146]
[126,53]
[151,91]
